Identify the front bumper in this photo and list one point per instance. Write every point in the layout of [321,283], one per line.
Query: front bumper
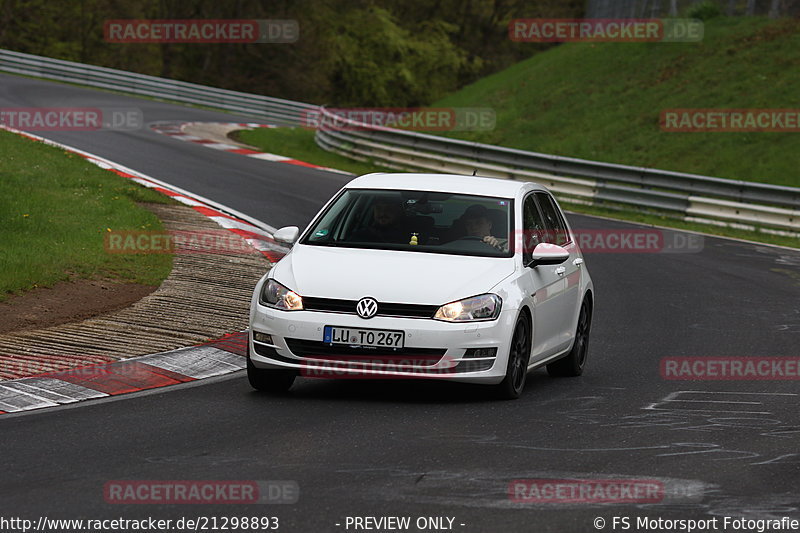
[433,349]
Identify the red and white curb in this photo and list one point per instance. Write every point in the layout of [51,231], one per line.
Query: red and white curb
[222,356]
[216,358]
[176,131]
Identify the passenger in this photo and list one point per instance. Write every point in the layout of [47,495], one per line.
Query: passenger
[477,223]
[386,225]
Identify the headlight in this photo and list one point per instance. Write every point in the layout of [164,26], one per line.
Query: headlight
[273,294]
[483,307]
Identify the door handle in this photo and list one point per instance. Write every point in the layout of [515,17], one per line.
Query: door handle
[578,262]
[560,271]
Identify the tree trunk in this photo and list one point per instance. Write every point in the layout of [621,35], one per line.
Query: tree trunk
[655,11]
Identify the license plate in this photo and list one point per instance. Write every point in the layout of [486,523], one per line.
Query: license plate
[363,337]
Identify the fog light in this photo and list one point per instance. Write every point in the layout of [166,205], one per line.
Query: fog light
[474,353]
[263,338]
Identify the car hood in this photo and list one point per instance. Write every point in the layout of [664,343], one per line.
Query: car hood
[387,275]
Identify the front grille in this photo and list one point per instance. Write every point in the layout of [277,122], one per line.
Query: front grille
[407,310]
[321,350]
[332,305]
[329,304]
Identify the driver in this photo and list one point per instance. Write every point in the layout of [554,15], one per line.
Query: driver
[478,224]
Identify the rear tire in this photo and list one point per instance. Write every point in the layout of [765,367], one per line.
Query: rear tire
[517,368]
[574,362]
[268,380]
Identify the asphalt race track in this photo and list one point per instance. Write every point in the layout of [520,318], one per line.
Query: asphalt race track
[408,448]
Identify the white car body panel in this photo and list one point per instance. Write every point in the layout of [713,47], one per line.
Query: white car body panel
[552,300]
[388,275]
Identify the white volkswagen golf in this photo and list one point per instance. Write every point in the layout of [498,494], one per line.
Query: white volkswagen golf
[452,277]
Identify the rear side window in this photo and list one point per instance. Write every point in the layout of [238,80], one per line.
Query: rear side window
[555,227]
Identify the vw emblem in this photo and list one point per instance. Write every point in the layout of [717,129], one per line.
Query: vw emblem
[367,307]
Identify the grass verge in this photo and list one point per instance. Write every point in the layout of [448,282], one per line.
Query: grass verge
[603,101]
[298,143]
[55,209]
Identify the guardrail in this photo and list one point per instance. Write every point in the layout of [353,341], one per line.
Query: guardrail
[749,205]
[253,105]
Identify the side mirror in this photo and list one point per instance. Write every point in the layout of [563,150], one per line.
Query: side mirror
[287,235]
[548,254]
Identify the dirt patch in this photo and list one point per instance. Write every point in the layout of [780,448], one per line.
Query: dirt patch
[204,297]
[68,301]
[216,132]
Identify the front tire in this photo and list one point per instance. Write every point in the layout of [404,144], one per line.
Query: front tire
[517,368]
[268,380]
[575,361]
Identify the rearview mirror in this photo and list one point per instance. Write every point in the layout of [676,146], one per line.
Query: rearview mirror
[548,254]
[287,235]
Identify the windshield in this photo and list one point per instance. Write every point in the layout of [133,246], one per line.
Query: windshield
[418,221]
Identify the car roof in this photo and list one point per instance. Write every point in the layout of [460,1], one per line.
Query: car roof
[453,183]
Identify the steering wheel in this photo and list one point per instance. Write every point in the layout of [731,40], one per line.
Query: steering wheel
[470,238]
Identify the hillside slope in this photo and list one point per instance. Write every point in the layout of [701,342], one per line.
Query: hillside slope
[603,101]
